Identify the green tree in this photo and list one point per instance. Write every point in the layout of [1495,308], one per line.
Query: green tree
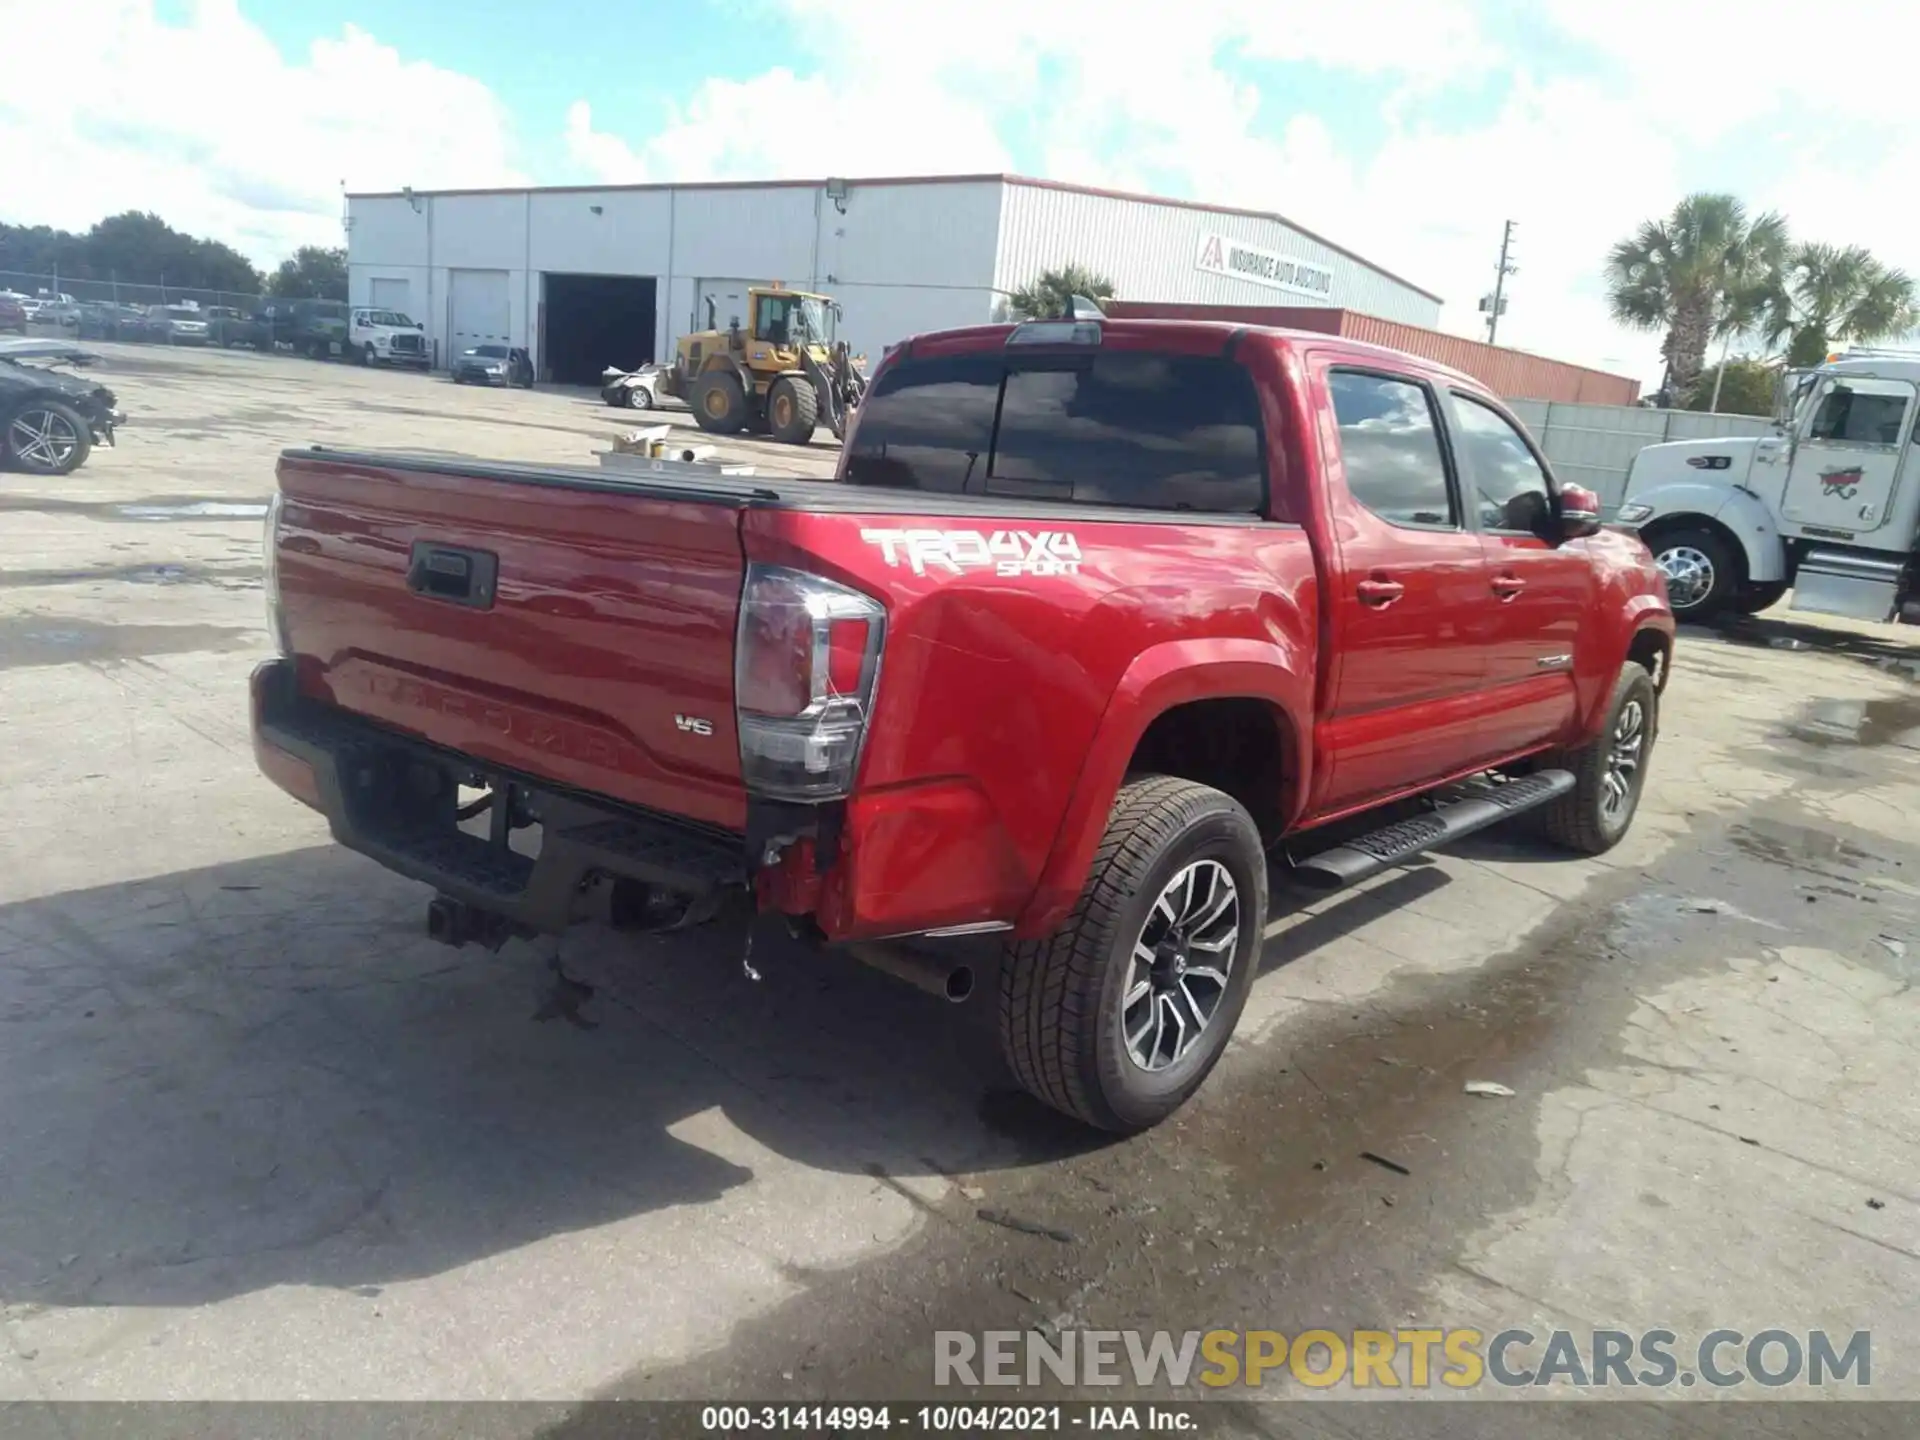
[134,248]
[1823,294]
[1703,273]
[1746,389]
[311,273]
[1050,296]
[141,248]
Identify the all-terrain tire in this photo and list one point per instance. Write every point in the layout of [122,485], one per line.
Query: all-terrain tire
[719,403]
[1062,1001]
[1583,819]
[793,411]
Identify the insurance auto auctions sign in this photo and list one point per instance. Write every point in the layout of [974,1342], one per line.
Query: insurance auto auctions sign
[1238,260]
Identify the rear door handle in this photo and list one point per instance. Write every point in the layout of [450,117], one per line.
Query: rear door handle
[1508,586]
[1379,592]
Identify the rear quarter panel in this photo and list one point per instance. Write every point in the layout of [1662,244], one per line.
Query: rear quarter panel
[1630,600]
[1012,694]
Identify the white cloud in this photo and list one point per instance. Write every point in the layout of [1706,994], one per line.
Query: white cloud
[1608,120]
[723,132]
[208,125]
[1102,101]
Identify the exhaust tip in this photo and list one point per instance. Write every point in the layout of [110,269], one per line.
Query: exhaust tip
[959,983]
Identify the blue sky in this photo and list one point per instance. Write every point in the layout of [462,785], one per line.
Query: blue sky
[1406,130]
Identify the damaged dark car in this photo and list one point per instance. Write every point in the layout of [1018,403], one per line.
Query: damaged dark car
[50,420]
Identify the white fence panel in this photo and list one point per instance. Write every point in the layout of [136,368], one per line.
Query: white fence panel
[1592,445]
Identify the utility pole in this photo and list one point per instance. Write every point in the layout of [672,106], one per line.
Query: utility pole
[1494,306]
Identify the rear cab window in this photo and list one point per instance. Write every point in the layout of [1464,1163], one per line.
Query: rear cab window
[1122,427]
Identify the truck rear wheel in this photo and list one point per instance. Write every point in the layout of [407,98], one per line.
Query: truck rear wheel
[793,410]
[1118,1017]
[719,403]
[1609,771]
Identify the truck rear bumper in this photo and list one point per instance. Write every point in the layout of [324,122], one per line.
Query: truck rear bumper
[394,799]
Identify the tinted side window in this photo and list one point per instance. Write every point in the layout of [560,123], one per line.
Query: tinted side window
[1510,485]
[1129,428]
[927,425]
[1390,449]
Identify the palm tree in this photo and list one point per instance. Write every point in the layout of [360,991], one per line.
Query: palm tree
[1823,293]
[1051,295]
[1702,273]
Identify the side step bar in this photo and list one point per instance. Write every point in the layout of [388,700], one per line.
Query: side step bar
[1375,851]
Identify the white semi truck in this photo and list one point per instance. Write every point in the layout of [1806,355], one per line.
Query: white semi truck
[1827,505]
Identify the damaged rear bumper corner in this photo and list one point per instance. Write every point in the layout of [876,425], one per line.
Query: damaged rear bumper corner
[393,799]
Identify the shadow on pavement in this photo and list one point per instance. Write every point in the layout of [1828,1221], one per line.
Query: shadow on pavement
[1884,649]
[263,1073]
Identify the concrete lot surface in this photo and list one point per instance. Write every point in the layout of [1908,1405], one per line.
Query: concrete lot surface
[263,1140]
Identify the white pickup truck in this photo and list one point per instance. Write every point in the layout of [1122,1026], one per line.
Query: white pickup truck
[1827,505]
[386,337]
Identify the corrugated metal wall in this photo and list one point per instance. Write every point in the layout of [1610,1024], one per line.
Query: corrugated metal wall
[1505,372]
[1510,374]
[1149,248]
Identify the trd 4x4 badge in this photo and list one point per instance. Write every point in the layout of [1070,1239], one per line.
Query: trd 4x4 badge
[1844,483]
[1004,552]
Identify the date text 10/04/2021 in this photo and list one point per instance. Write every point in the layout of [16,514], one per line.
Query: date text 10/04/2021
[949,1419]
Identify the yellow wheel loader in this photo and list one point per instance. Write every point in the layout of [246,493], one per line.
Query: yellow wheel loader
[783,374]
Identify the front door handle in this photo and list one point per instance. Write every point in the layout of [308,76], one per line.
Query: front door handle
[1508,586]
[1379,592]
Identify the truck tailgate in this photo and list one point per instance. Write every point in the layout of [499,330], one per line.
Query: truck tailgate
[580,633]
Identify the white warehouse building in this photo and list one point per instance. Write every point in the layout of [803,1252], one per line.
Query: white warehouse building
[585,277]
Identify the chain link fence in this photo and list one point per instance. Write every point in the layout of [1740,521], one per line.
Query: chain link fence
[64,290]
[58,305]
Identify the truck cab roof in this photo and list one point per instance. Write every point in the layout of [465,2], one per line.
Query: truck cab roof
[1876,367]
[1199,336]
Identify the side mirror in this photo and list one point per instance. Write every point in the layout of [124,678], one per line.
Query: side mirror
[1579,512]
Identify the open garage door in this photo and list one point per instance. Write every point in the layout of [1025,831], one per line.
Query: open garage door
[588,322]
[478,311]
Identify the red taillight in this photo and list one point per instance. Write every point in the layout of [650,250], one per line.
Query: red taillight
[847,642]
[807,658]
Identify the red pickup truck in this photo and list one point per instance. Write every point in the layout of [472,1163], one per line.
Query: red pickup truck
[1094,619]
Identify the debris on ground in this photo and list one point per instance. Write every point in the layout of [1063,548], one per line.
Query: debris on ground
[1876,1204]
[973,1192]
[1488,1087]
[1895,948]
[1747,1140]
[564,999]
[1027,1227]
[1385,1164]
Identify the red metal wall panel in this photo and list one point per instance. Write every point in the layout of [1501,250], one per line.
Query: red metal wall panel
[1508,373]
